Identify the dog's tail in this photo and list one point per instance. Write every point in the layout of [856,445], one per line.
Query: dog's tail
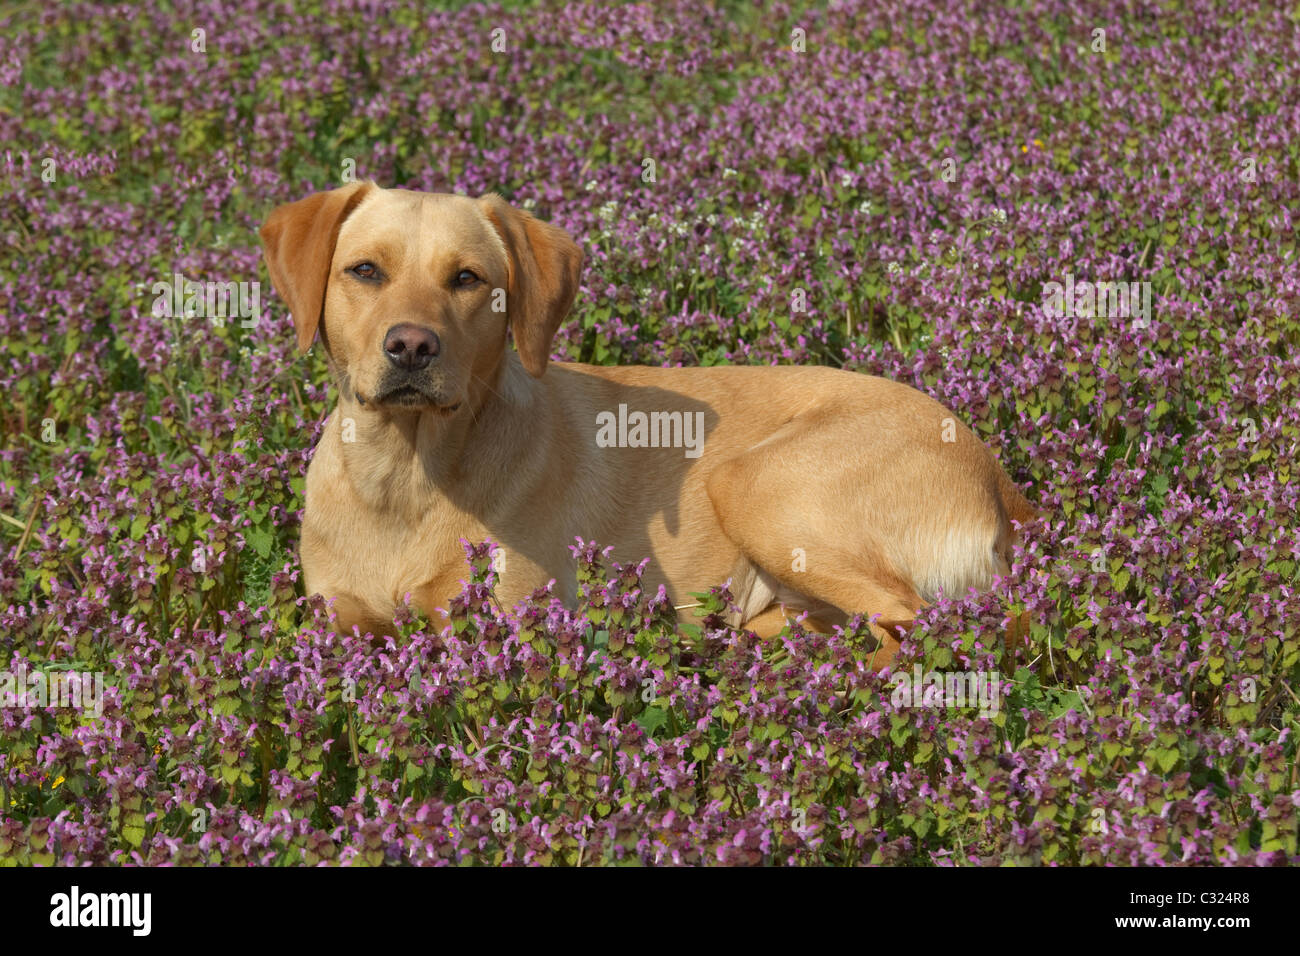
[1015,504]
[1017,508]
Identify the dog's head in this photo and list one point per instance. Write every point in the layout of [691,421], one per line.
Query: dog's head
[413,291]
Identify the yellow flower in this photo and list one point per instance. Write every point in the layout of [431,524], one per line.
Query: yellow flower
[1038,143]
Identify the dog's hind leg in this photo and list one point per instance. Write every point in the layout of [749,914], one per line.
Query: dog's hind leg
[832,586]
[826,529]
[772,621]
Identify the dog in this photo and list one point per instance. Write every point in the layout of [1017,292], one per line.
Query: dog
[807,488]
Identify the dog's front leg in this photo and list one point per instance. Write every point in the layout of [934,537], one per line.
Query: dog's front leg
[351,613]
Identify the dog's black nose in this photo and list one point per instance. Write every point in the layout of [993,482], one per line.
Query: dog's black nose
[411,347]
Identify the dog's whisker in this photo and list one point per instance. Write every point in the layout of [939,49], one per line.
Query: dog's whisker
[487,386]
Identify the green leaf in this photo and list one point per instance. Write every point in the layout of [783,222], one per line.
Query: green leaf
[1166,758]
[652,718]
[261,540]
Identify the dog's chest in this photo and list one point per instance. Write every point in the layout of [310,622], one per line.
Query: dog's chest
[373,557]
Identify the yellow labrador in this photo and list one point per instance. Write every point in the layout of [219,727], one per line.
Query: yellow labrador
[809,488]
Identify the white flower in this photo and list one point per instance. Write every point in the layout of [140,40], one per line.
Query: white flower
[530,204]
[893,268]
[864,207]
[936,236]
[608,211]
[591,186]
[729,173]
[846,180]
[999,215]
[711,219]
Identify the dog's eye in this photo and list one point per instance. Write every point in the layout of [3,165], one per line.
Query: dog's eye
[464,277]
[365,270]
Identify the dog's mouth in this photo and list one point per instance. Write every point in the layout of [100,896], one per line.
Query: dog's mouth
[413,397]
[406,395]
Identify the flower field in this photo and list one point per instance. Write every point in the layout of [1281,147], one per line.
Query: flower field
[897,187]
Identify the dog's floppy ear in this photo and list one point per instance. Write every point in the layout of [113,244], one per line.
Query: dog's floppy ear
[542,278]
[299,239]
